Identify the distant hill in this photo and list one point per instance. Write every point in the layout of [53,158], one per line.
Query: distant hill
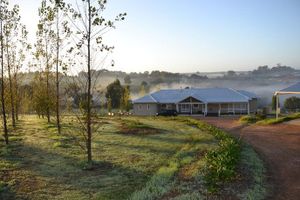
[263,81]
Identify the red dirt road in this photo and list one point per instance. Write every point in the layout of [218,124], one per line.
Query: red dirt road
[278,146]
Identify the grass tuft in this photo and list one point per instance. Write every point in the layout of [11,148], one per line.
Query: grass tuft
[279,120]
[61,145]
[258,190]
[250,119]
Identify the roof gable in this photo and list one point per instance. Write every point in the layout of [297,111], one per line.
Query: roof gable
[190,99]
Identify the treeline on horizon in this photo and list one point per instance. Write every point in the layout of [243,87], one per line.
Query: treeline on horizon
[143,82]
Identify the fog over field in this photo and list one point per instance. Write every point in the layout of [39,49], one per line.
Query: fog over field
[263,81]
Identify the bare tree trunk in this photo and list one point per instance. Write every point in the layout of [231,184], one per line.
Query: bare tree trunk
[57,76]
[2,84]
[12,100]
[48,96]
[89,128]
[16,96]
[47,85]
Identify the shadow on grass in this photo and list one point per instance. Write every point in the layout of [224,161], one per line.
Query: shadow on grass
[65,173]
[159,145]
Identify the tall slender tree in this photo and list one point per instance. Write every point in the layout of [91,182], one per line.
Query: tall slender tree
[90,26]
[3,10]
[63,32]
[45,45]
[57,6]
[19,58]
[12,32]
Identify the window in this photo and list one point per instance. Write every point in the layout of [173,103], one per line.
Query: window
[185,108]
[148,107]
[240,106]
[140,107]
[196,105]
[169,106]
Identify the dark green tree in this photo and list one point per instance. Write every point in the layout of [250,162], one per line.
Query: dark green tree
[292,103]
[125,99]
[115,91]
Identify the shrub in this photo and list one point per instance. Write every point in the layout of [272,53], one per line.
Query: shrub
[292,103]
[250,119]
[6,191]
[220,163]
[279,120]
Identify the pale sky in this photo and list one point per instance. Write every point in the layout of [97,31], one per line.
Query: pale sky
[198,35]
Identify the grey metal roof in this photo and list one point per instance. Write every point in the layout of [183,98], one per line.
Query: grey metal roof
[248,94]
[145,99]
[292,88]
[206,95]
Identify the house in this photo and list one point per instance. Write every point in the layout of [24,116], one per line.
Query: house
[201,101]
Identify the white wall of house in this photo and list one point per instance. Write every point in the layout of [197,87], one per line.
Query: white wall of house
[145,109]
[150,109]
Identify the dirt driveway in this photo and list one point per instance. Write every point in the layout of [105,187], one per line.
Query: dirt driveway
[279,147]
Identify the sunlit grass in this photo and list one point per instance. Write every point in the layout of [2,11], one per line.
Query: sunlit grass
[126,166]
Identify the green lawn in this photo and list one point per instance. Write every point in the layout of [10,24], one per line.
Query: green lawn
[135,158]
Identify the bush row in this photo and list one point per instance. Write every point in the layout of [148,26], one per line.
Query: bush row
[221,162]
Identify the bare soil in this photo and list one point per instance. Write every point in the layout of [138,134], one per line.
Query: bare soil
[124,129]
[278,145]
[294,122]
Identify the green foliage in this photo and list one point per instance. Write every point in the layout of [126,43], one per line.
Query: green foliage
[279,120]
[6,191]
[118,96]
[125,100]
[273,104]
[292,103]
[42,101]
[115,91]
[250,119]
[221,163]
